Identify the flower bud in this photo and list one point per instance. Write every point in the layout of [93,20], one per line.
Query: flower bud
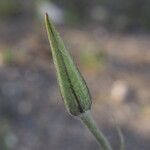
[73,88]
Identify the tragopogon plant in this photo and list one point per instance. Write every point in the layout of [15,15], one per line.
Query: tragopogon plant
[73,88]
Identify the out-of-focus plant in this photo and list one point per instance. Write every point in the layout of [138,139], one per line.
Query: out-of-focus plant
[114,14]
[3,133]
[93,60]
[7,56]
[73,88]
[76,11]
[10,56]
[9,8]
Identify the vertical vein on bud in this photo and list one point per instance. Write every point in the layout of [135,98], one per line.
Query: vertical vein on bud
[71,86]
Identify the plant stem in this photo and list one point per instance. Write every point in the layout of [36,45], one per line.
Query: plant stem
[121,137]
[91,125]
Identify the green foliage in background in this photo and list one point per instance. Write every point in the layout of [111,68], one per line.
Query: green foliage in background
[90,59]
[76,10]
[3,133]
[128,13]
[119,14]
[9,8]
[7,56]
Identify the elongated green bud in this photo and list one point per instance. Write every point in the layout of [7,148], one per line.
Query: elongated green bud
[72,85]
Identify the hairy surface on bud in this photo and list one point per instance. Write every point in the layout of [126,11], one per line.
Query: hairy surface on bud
[72,85]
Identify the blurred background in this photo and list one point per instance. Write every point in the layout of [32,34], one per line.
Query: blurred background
[110,42]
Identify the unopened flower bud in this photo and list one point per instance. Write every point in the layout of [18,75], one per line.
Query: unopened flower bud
[73,88]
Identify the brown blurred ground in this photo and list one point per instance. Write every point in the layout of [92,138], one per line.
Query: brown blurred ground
[116,67]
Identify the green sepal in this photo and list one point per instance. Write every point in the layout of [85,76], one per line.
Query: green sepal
[73,88]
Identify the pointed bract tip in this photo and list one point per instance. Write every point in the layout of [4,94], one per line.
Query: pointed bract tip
[46,16]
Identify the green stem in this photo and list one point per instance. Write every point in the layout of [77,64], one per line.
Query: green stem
[91,125]
[121,137]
